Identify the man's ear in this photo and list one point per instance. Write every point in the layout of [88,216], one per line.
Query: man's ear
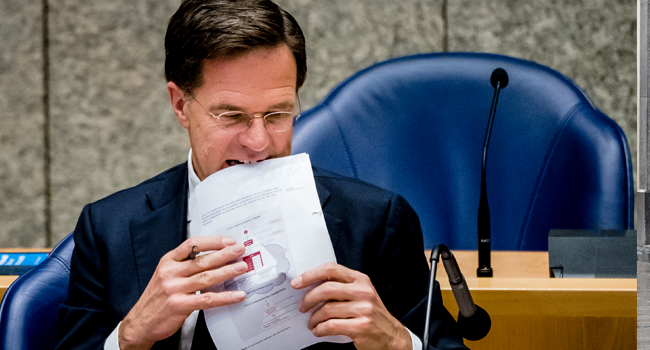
[178,103]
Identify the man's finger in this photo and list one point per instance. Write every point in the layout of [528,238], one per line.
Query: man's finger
[325,272]
[209,300]
[200,244]
[348,327]
[209,278]
[213,260]
[330,291]
[334,310]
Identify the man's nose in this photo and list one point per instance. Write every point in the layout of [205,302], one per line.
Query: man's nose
[256,137]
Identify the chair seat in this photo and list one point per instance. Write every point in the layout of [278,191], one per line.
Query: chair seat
[30,307]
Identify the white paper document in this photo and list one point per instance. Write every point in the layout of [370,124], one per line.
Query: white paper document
[273,208]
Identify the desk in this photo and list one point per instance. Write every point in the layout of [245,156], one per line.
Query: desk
[529,310]
[6,281]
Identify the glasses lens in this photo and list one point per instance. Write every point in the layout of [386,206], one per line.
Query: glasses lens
[279,121]
[235,121]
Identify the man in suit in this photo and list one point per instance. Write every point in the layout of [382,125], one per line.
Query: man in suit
[233,70]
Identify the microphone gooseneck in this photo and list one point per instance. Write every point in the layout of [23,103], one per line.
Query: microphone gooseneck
[435,253]
[498,80]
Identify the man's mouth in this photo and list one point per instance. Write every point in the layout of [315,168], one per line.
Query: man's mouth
[232,162]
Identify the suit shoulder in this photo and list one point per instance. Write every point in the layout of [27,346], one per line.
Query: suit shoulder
[352,189]
[126,198]
[331,178]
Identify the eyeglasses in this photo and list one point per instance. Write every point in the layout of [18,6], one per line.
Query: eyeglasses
[237,121]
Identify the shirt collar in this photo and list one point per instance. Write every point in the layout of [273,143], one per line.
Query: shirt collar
[193,181]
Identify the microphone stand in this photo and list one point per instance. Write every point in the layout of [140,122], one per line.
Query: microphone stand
[474,322]
[435,253]
[499,80]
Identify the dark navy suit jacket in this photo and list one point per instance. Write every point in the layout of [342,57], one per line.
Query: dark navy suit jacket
[120,239]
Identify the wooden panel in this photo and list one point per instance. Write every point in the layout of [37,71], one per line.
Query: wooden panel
[25,250]
[529,310]
[548,332]
[5,282]
[589,303]
[555,319]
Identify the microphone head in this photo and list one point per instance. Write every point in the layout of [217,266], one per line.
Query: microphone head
[499,75]
[475,327]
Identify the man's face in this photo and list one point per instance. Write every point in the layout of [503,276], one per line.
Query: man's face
[258,82]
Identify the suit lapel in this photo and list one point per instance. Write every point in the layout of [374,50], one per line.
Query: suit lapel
[333,223]
[164,227]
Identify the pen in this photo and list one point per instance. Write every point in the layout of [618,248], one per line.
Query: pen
[193,253]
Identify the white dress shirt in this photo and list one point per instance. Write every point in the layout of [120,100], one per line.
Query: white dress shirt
[187,330]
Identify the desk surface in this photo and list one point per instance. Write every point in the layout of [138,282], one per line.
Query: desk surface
[514,270]
[505,264]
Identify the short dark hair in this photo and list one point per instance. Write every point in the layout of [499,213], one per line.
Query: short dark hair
[207,29]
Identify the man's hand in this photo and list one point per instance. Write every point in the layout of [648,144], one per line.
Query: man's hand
[346,303]
[170,296]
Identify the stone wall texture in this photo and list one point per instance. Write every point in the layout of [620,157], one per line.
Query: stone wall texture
[22,151]
[84,110]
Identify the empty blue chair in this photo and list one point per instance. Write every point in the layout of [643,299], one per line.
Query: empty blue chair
[416,125]
[30,307]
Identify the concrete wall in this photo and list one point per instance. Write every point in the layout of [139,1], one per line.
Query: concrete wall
[642,180]
[84,109]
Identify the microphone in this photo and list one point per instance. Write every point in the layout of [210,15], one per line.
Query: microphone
[473,321]
[499,80]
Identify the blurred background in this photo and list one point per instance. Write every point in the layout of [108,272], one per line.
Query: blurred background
[84,110]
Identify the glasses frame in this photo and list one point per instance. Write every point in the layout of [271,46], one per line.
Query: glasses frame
[250,120]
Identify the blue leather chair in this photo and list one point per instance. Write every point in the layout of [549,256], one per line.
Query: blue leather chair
[416,125]
[30,307]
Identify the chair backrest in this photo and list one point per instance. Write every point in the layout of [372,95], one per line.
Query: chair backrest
[416,125]
[30,307]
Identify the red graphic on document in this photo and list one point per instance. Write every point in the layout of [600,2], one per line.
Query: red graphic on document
[265,258]
[254,261]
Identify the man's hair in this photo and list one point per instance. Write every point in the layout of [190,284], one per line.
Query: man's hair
[208,29]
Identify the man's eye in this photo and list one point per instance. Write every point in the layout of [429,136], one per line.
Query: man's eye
[279,117]
[233,117]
